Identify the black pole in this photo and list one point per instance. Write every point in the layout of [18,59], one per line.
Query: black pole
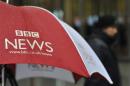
[11,77]
[6,73]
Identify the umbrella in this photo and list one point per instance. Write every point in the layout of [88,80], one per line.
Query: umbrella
[34,35]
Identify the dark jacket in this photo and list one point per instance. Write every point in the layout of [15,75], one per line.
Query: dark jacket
[101,45]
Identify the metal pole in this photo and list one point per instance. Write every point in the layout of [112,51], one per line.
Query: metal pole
[7,1]
[3,75]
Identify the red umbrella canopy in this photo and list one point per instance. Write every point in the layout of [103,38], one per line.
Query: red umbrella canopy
[32,35]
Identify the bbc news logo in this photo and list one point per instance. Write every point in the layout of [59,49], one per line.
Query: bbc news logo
[29,45]
[27,33]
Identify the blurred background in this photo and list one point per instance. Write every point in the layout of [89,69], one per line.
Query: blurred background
[82,14]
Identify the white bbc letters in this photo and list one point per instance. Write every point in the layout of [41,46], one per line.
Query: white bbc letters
[27,33]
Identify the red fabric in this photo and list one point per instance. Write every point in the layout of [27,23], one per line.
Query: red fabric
[14,18]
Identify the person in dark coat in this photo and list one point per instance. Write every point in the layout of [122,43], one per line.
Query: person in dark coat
[101,41]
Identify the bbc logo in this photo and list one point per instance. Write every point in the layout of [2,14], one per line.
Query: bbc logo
[27,33]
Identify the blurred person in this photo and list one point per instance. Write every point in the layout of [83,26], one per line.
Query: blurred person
[90,20]
[106,32]
[77,23]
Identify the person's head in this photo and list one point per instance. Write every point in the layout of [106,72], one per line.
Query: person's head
[111,31]
[107,25]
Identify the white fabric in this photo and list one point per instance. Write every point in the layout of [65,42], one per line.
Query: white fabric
[24,71]
[88,56]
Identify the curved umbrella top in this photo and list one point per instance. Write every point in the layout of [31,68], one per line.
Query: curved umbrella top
[33,35]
